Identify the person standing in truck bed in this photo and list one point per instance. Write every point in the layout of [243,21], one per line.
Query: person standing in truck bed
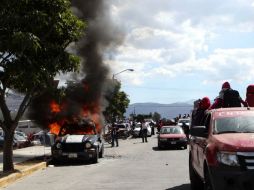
[227,98]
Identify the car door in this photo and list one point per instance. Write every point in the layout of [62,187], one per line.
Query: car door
[193,146]
[201,145]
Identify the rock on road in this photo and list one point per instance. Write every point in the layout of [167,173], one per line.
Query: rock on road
[132,165]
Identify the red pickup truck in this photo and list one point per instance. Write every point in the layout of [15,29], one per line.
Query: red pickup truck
[221,154]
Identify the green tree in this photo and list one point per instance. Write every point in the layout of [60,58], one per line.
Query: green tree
[156,116]
[118,102]
[34,35]
[139,117]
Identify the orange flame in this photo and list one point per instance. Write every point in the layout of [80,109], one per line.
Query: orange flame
[54,107]
[54,128]
[92,111]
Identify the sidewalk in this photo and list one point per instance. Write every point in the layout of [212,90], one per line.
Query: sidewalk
[23,154]
[26,161]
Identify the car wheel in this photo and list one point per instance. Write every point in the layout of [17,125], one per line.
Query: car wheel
[96,157]
[101,152]
[54,160]
[195,181]
[159,145]
[207,183]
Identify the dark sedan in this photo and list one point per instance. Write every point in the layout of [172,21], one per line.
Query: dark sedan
[78,141]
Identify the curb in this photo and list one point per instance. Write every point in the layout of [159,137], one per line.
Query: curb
[20,174]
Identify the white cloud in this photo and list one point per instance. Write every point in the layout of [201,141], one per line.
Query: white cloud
[229,64]
[234,64]
[166,38]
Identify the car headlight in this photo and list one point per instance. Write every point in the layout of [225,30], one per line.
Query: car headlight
[58,145]
[88,145]
[228,158]
[163,139]
[183,139]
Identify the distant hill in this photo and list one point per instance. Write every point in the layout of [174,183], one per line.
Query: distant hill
[165,110]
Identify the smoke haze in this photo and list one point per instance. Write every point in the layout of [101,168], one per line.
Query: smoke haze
[100,36]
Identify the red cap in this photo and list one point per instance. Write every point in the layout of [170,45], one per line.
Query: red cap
[226,85]
[205,103]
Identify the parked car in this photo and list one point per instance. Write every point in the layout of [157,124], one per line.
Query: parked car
[121,126]
[127,126]
[122,131]
[20,141]
[186,121]
[43,138]
[20,133]
[172,136]
[78,141]
[221,152]
[136,130]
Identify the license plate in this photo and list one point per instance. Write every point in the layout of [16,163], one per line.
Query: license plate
[173,142]
[73,155]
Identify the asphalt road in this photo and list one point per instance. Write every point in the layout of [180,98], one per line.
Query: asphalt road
[132,165]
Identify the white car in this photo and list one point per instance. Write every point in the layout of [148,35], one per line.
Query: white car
[43,138]
[184,123]
[136,131]
[184,120]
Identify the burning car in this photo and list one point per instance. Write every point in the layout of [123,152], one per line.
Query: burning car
[78,140]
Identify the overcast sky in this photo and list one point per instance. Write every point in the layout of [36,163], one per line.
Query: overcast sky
[183,49]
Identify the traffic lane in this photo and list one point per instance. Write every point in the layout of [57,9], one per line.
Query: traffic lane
[132,165]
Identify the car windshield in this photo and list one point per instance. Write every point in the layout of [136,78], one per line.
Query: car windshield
[234,125]
[18,137]
[137,125]
[184,121]
[171,130]
[120,126]
[77,129]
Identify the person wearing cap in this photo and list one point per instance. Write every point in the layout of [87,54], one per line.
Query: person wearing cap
[218,102]
[198,114]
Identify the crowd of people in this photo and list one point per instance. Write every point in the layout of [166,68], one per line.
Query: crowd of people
[114,132]
[227,97]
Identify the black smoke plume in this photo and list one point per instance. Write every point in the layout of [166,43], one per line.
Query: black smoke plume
[101,36]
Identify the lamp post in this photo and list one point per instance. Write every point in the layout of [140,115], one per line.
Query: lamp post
[113,77]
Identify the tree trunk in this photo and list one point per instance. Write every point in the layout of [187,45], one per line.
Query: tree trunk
[8,151]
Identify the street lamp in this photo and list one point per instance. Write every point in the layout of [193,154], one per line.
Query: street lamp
[113,77]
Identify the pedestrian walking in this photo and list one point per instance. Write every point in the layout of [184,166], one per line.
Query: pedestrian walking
[114,135]
[152,127]
[144,131]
